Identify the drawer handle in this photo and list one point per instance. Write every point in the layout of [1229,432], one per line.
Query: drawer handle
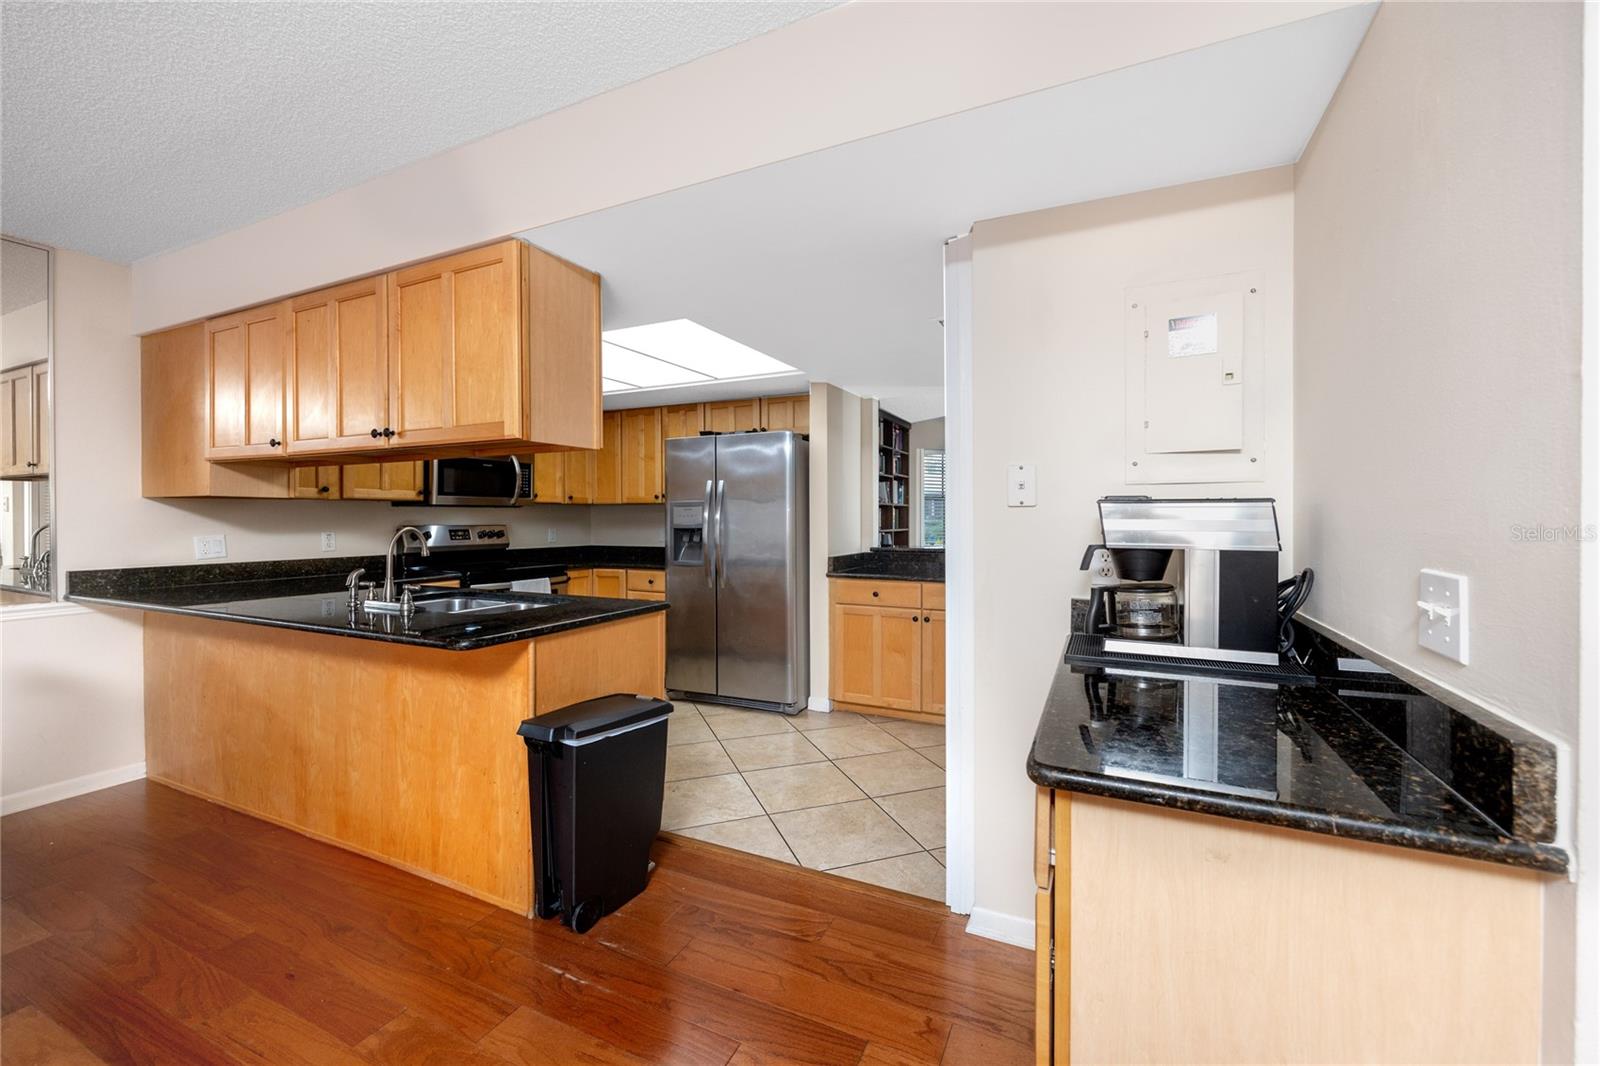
[874,592]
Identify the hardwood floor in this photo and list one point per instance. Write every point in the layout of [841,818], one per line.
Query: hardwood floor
[142,925]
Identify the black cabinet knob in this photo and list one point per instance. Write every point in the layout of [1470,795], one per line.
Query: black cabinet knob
[925,618]
[274,442]
[322,488]
[569,499]
[387,432]
[874,593]
[376,433]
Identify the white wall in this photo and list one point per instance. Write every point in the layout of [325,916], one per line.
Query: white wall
[1438,333]
[1047,389]
[839,76]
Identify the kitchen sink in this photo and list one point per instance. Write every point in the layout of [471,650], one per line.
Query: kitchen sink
[473,605]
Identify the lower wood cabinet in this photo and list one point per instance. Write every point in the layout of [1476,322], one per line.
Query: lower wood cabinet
[618,584]
[398,481]
[886,650]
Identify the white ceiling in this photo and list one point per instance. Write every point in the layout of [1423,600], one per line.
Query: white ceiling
[135,128]
[832,262]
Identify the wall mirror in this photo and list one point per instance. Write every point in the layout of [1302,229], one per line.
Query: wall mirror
[26,573]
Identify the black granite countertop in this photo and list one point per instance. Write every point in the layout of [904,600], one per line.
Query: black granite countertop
[891,564]
[321,605]
[1363,756]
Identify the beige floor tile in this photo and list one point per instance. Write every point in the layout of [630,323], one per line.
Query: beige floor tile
[684,707]
[891,772]
[919,874]
[775,749]
[854,740]
[706,759]
[938,853]
[806,721]
[919,813]
[703,800]
[758,836]
[933,755]
[915,734]
[688,728]
[789,788]
[729,725]
[842,834]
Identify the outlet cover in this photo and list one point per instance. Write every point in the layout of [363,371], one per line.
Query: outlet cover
[211,546]
[329,541]
[1442,614]
[549,536]
[1020,486]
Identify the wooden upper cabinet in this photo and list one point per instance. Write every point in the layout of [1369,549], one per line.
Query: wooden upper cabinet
[16,422]
[244,368]
[642,472]
[549,478]
[40,408]
[396,481]
[682,420]
[608,463]
[787,412]
[455,349]
[338,388]
[579,470]
[733,416]
[314,483]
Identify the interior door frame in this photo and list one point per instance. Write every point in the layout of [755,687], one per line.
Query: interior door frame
[960,719]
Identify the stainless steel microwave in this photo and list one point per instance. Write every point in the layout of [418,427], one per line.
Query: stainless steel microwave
[476,482]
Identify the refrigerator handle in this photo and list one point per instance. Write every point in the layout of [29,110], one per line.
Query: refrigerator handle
[705,539]
[722,534]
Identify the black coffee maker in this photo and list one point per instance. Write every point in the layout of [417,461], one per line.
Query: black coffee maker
[1140,606]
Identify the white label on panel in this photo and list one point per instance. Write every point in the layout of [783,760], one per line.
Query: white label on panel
[1192,335]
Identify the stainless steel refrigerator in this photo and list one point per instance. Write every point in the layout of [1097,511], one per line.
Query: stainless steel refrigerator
[737,570]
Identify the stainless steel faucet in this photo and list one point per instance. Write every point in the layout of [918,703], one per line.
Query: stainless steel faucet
[388,602]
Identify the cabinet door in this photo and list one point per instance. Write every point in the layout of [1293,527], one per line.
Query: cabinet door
[579,472]
[612,583]
[682,420]
[641,455]
[40,411]
[244,356]
[338,388]
[786,412]
[549,477]
[455,348]
[932,662]
[608,464]
[876,656]
[400,481]
[733,416]
[580,582]
[314,483]
[16,416]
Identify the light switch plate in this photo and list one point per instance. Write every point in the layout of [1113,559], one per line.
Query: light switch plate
[1020,487]
[1442,614]
[211,546]
[549,536]
[329,541]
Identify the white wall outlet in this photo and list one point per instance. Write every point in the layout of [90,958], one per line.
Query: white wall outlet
[1442,617]
[549,536]
[329,541]
[1101,570]
[211,546]
[1019,486]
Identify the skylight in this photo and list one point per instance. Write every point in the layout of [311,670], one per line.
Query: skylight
[679,352]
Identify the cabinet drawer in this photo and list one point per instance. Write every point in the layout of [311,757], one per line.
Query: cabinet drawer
[647,581]
[933,595]
[635,594]
[875,593]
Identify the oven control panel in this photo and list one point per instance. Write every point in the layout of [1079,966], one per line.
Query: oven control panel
[441,537]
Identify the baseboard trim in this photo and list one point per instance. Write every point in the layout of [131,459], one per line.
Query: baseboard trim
[76,786]
[1006,928]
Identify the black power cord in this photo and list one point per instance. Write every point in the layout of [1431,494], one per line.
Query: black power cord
[1292,595]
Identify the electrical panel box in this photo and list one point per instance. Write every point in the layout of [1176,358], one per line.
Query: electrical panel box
[1194,369]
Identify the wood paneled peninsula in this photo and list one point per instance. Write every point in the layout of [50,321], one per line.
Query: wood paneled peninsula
[392,737]
[1230,869]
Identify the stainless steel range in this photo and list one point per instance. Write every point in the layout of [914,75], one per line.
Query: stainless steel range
[478,553]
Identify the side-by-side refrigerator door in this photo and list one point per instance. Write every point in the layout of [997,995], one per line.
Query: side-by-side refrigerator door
[761,567]
[691,565]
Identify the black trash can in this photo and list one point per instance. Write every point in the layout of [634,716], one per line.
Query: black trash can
[596,773]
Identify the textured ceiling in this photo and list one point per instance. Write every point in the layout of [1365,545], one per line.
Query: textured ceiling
[131,129]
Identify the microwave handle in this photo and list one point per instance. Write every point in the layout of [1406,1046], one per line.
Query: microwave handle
[516,480]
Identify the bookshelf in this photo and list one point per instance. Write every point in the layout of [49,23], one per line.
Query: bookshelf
[894,481]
